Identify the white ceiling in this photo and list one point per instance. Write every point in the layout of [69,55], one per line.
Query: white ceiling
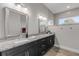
[60,7]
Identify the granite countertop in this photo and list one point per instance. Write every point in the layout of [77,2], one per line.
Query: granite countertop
[8,44]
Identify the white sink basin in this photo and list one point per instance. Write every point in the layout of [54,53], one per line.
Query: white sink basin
[32,37]
[21,41]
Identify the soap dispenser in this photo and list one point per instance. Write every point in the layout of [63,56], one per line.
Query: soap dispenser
[24,34]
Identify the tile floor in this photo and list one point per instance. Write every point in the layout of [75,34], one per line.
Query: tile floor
[55,51]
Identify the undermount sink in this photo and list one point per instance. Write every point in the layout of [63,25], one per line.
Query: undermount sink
[32,37]
[21,41]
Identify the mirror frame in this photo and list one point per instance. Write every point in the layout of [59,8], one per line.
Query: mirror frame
[7,10]
[40,27]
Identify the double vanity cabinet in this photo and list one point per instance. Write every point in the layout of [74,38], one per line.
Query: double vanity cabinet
[35,48]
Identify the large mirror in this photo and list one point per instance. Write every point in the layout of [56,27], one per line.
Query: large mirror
[15,21]
[43,22]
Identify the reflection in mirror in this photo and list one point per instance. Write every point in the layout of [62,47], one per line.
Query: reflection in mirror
[14,22]
[43,22]
[24,25]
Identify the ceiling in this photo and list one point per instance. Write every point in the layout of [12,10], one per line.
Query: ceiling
[61,7]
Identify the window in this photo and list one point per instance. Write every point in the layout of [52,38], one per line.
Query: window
[69,20]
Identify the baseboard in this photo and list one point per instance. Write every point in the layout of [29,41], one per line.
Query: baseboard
[67,48]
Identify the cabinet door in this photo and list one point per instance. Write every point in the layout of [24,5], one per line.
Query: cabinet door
[22,53]
[31,51]
[34,50]
[42,49]
[15,51]
[52,39]
[43,46]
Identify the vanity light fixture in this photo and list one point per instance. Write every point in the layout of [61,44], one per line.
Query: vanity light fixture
[41,17]
[25,10]
[44,18]
[67,6]
[19,6]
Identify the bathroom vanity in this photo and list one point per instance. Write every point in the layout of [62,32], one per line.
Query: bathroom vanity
[31,46]
[16,24]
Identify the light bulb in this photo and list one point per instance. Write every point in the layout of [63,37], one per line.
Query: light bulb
[25,9]
[40,17]
[19,6]
[44,18]
[68,6]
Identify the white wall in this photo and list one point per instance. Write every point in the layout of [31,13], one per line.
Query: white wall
[65,36]
[34,9]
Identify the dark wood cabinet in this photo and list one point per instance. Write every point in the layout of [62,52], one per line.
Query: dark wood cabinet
[52,41]
[35,48]
[20,50]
